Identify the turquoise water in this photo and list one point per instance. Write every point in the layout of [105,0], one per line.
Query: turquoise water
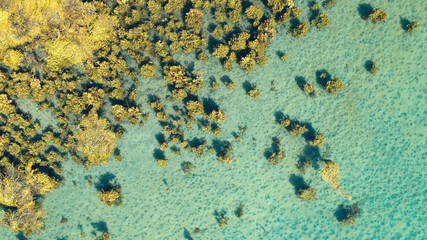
[375,130]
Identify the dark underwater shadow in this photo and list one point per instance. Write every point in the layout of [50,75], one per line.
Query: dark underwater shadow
[364,10]
[106,182]
[298,182]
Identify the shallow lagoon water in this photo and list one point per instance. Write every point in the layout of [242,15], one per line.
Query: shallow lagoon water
[374,128]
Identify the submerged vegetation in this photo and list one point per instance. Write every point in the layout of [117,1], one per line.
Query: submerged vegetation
[83,62]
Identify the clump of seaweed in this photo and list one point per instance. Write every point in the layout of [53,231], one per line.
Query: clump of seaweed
[239,211]
[412,27]
[17,189]
[377,15]
[148,70]
[314,6]
[297,129]
[371,66]
[321,20]
[254,92]
[94,139]
[110,197]
[309,88]
[217,115]
[317,140]
[306,194]
[26,218]
[299,30]
[187,168]
[284,121]
[224,154]
[103,236]
[109,192]
[303,164]
[333,86]
[255,13]
[162,162]
[194,107]
[347,214]
[284,58]
[330,173]
[221,218]
[276,154]
[329,3]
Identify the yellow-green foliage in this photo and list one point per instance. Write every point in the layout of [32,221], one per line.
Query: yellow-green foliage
[18,185]
[308,88]
[284,16]
[199,149]
[174,5]
[373,68]
[6,105]
[297,129]
[156,105]
[194,107]
[295,12]
[191,40]
[148,70]
[131,113]
[94,139]
[11,58]
[276,157]
[333,86]
[176,76]
[317,140]
[377,15]
[284,58]
[41,183]
[412,27]
[217,115]
[14,190]
[193,19]
[228,28]
[300,29]
[254,12]
[329,3]
[162,162]
[220,51]
[218,32]
[26,218]
[219,16]
[202,57]
[217,131]
[179,93]
[110,197]
[349,214]
[247,63]
[164,145]
[70,30]
[238,42]
[276,5]
[307,194]
[314,6]
[230,84]
[214,84]
[267,30]
[330,173]
[234,15]
[284,122]
[254,93]
[162,116]
[322,20]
